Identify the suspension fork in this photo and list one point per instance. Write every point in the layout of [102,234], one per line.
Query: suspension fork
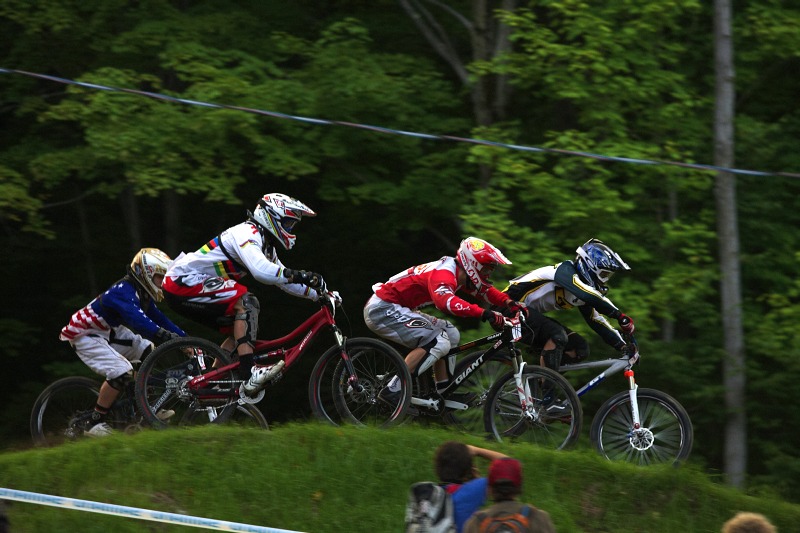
[632,387]
[523,387]
[341,340]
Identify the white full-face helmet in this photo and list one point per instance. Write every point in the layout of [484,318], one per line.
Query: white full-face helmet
[278,214]
[147,263]
[478,258]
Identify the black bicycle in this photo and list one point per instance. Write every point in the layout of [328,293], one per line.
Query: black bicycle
[546,395]
[63,412]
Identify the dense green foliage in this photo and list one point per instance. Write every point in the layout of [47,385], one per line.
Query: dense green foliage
[88,177]
[322,479]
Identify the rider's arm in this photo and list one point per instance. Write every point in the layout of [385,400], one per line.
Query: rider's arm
[442,287]
[123,300]
[496,297]
[600,325]
[267,270]
[155,314]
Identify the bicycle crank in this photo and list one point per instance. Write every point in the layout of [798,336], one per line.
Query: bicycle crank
[244,398]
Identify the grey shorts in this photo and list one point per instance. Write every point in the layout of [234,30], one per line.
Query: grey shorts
[406,327]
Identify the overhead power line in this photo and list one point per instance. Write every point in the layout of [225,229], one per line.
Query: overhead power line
[379,129]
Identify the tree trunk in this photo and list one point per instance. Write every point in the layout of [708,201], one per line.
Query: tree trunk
[733,367]
[88,256]
[130,211]
[172,219]
[488,38]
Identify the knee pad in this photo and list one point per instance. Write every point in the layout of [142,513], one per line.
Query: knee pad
[441,345]
[578,344]
[437,348]
[552,358]
[558,336]
[250,316]
[118,383]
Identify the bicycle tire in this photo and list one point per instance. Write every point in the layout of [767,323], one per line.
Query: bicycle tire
[336,401]
[554,420]
[61,411]
[163,375]
[668,433]
[479,383]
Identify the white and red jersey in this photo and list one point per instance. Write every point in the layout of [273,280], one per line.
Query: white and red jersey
[236,252]
[435,282]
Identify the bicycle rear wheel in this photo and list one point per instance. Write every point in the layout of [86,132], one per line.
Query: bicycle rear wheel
[474,391]
[553,420]
[666,434]
[335,399]
[162,384]
[62,412]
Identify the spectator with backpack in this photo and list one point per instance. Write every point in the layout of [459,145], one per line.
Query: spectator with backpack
[507,514]
[445,506]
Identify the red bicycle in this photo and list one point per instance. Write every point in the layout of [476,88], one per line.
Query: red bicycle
[195,375]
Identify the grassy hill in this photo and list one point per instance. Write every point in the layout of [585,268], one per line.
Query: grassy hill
[315,478]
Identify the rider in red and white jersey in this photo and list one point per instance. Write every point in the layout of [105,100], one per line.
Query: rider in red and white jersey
[204,285]
[393,311]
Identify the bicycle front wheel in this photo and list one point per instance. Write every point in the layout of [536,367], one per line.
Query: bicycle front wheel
[665,436]
[63,411]
[474,391]
[336,396]
[162,392]
[552,419]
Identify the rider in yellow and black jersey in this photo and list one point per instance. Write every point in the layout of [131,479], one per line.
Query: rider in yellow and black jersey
[578,283]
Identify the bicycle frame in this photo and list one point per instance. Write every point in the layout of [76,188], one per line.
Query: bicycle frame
[276,350]
[612,366]
[501,339]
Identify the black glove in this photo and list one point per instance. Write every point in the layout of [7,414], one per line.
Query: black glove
[494,319]
[309,279]
[517,307]
[164,335]
[625,323]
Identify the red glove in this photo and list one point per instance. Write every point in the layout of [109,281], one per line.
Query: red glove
[494,319]
[517,307]
[625,323]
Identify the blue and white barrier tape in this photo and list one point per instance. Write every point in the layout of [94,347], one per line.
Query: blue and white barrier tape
[133,512]
[311,120]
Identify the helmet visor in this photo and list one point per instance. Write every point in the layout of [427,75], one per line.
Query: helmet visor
[288,224]
[604,275]
[485,272]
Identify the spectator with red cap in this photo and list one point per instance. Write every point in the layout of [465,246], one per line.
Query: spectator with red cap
[505,486]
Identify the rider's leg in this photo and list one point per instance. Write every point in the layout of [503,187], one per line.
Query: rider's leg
[576,350]
[554,348]
[245,329]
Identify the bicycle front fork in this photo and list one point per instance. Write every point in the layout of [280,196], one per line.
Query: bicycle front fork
[632,386]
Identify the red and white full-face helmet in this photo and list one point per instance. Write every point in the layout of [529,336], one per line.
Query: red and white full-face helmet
[278,214]
[146,264]
[478,258]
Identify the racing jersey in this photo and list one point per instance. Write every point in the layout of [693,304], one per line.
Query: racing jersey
[558,287]
[120,305]
[435,283]
[236,252]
